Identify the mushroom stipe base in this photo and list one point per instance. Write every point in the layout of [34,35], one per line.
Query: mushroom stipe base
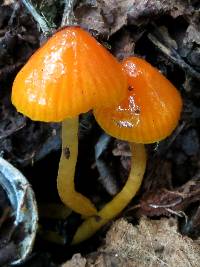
[120,201]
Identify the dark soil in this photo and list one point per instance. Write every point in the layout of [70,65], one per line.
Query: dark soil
[166,34]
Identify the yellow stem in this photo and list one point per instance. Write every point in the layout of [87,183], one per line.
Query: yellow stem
[65,181]
[120,201]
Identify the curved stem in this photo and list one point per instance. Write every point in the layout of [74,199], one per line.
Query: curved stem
[65,180]
[120,201]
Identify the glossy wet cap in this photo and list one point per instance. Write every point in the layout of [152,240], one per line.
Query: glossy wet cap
[151,109]
[70,74]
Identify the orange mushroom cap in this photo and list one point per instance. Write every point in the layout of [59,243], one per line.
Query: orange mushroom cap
[151,109]
[70,74]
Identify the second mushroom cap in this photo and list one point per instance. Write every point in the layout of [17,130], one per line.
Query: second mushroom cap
[151,109]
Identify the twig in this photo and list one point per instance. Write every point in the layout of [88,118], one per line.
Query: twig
[38,18]
[15,10]
[68,15]
[172,54]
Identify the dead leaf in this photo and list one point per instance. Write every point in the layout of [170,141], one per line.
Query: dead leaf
[151,243]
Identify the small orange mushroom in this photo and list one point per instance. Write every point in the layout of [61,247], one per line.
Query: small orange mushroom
[70,74]
[149,113]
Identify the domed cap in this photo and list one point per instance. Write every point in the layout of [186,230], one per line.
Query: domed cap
[70,74]
[151,109]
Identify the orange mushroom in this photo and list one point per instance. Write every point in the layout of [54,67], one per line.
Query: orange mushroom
[149,113]
[70,74]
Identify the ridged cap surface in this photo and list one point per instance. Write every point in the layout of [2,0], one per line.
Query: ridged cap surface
[151,109]
[70,74]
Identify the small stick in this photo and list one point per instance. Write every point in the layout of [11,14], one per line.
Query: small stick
[68,15]
[38,18]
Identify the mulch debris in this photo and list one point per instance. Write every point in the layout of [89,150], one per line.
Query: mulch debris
[165,33]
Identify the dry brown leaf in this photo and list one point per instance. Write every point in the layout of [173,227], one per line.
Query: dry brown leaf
[151,243]
[107,17]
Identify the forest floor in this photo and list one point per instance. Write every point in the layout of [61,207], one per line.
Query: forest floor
[161,226]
